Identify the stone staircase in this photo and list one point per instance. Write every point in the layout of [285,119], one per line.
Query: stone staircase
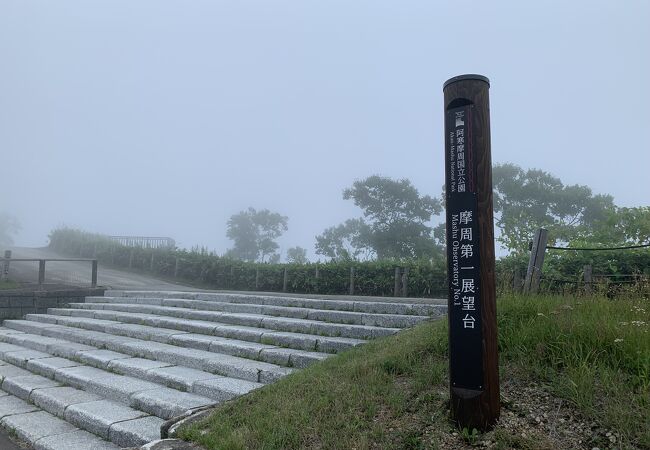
[109,372]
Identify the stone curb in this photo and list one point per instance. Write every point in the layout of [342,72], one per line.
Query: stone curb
[167,444]
[170,427]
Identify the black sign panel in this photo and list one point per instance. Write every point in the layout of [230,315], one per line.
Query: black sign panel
[465,336]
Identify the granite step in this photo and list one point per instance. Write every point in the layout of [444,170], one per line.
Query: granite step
[324,315]
[251,320]
[299,341]
[45,431]
[234,347]
[149,397]
[64,408]
[106,373]
[216,387]
[428,307]
[68,341]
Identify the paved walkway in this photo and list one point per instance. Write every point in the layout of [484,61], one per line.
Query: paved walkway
[60,273]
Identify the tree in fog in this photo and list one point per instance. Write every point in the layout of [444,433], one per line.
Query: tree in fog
[526,200]
[297,255]
[347,241]
[395,222]
[9,226]
[254,234]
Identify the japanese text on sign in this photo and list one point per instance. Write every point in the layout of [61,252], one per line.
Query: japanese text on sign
[463,255]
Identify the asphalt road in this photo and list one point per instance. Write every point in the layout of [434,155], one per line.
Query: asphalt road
[79,273]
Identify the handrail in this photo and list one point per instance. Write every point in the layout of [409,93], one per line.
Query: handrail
[41,266]
[47,259]
[146,241]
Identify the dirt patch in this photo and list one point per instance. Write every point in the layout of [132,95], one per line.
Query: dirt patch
[532,418]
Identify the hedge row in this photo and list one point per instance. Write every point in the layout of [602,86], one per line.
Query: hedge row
[562,272]
[198,266]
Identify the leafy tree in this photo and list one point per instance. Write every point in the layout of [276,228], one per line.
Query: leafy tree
[526,200]
[394,223]
[347,241]
[9,226]
[297,255]
[620,226]
[254,234]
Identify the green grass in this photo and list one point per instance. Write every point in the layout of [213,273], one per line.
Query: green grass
[593,352]
[8,285]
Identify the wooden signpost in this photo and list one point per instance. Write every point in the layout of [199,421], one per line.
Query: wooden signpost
[473,358]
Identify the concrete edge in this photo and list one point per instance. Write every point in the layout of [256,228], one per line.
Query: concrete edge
[167,444]
[170,427]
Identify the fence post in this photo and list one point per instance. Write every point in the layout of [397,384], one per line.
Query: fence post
[351,280]
[587,271]
[41,272]
[397,282]
[517,282]
[534,272]
[284,281]
[5,269]
[93,277]
[257,278]
[405,282]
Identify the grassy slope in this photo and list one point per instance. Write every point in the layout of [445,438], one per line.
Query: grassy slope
[593,352]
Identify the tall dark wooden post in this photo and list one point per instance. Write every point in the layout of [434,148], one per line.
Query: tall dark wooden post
[473,358]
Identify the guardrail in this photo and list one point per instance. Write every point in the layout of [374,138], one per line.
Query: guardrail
[41,266]
[145,241]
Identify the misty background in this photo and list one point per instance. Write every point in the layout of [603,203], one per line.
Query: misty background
[165,118]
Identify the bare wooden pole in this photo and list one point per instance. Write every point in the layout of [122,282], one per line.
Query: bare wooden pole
[396,290]
[587,273]
[405,282]
[473,357]
[93,275]
[534,272]
[41,272]
[517,282]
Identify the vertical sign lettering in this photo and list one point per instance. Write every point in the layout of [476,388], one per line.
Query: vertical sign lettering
[465,336]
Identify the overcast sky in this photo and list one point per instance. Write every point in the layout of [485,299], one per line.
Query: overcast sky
[164,118]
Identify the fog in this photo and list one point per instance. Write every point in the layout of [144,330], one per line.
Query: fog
[164,118]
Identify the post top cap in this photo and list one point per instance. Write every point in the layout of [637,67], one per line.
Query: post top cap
[469,76]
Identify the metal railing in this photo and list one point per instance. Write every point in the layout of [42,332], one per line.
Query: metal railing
[7,260]
[145,241]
